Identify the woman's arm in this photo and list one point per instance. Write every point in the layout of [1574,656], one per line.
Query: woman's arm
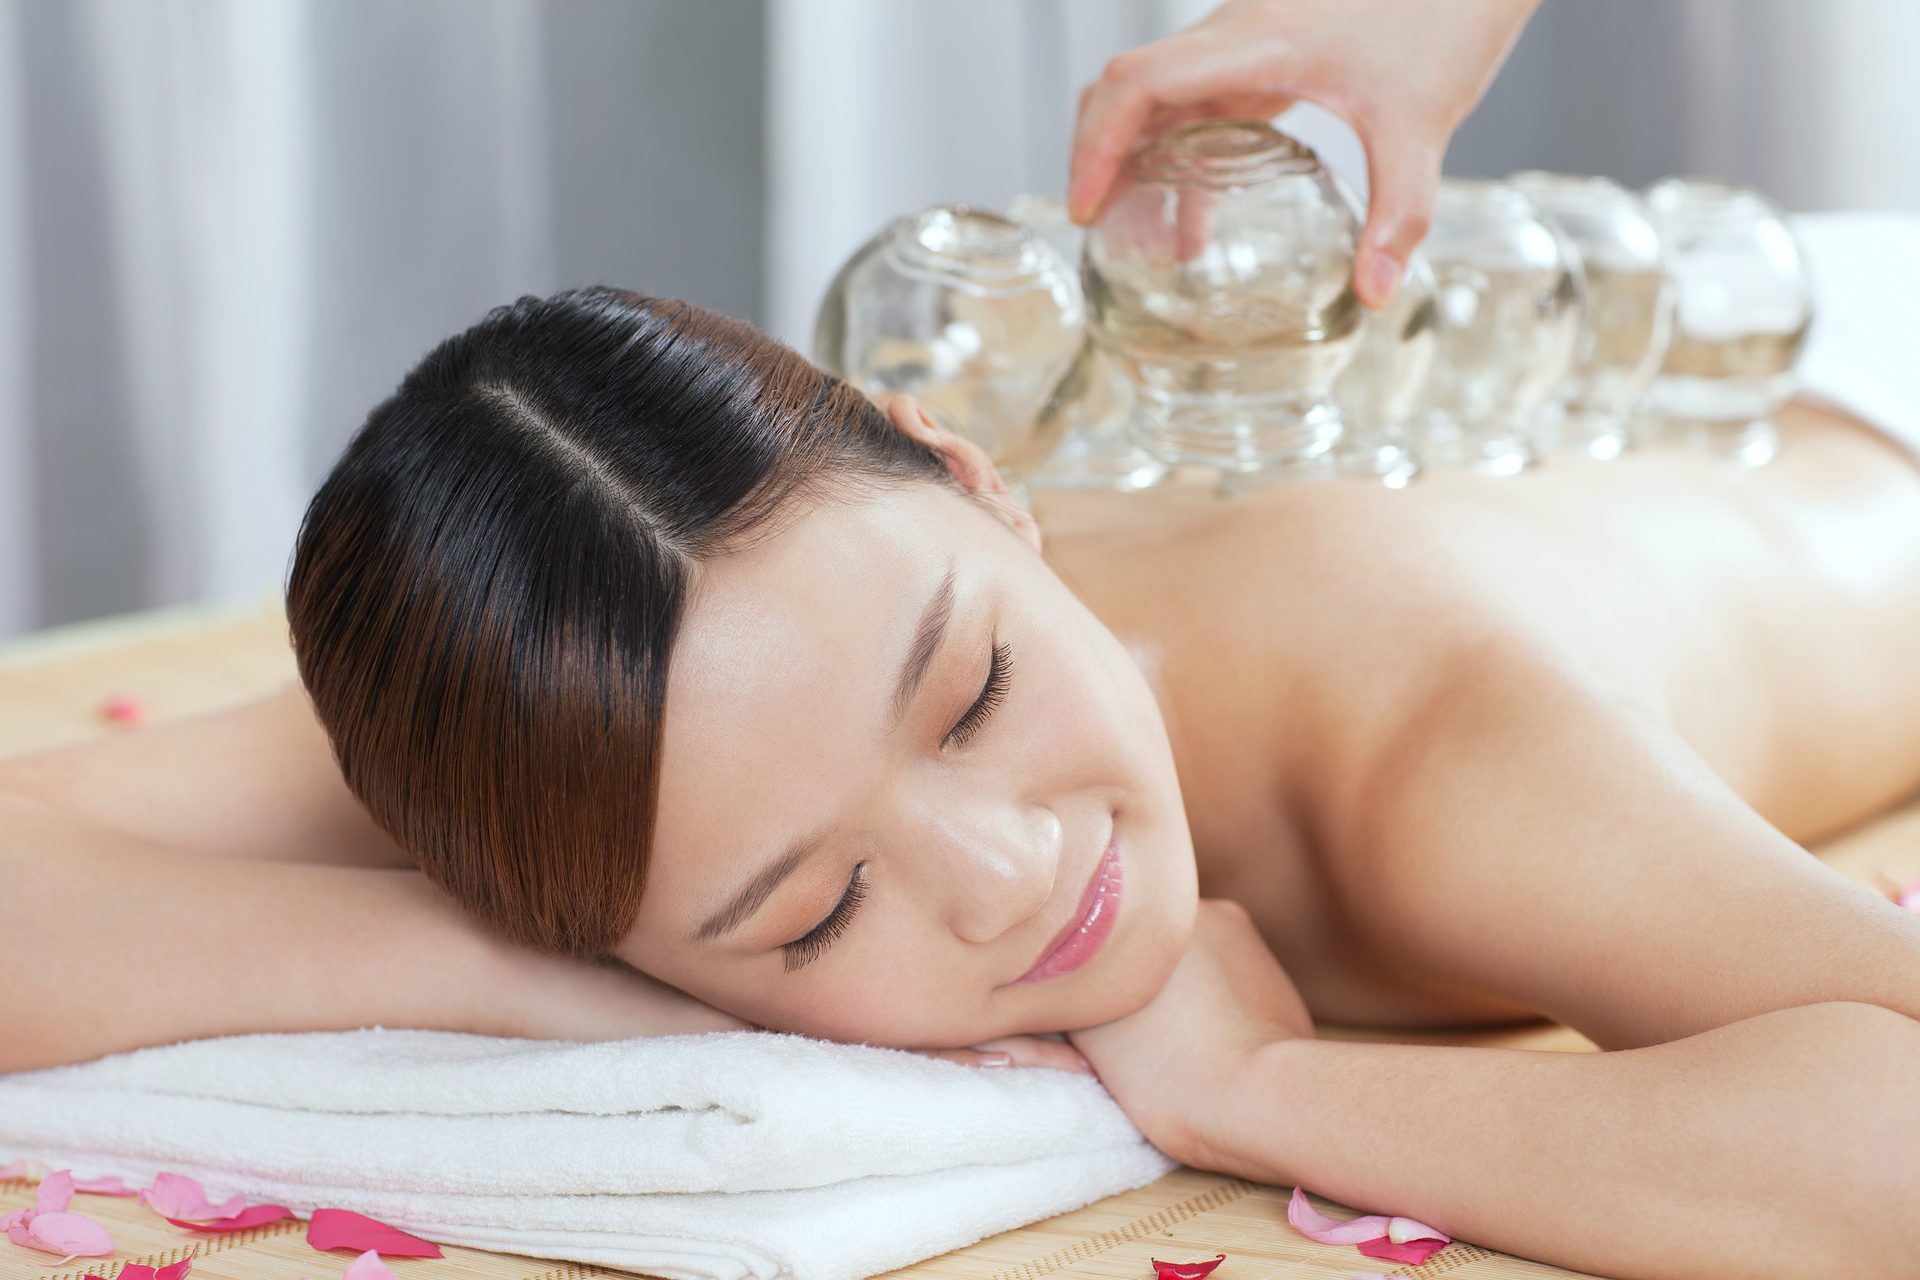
[115,943]
[256,780]
[1786,1144]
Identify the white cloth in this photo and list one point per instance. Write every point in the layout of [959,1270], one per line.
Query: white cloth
[1860,356]
[727,1155]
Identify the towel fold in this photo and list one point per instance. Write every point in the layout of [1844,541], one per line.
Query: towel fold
[721,1156]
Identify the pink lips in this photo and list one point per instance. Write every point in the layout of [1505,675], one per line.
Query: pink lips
[1099,905]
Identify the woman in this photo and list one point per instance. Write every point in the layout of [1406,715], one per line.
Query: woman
[617,610]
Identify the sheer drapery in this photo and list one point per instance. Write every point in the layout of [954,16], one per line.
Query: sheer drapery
[228,226]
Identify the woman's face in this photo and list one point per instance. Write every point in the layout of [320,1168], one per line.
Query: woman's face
[969,832]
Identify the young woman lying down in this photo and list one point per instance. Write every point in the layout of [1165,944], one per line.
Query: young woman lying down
[653,681]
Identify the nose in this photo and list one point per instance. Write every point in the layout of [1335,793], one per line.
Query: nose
[990,869]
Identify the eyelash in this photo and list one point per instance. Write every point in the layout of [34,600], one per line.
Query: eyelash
[999,672]
[804,951]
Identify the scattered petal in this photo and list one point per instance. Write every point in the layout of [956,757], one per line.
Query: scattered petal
[141,1271]
[1415,1251]
[73,1234]
[174,1195]
[1185,1270]
[1318,1226]
[1401,1230]
[345,1229]
[1376,1235]
[23,1168]
[110,1185]
[56,1191]
[369,1267]
[251,1216]
[123,709]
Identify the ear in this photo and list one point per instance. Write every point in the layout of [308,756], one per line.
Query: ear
[967,463]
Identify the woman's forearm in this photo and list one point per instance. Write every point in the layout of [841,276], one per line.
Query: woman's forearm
[1786,1144]
[114,942]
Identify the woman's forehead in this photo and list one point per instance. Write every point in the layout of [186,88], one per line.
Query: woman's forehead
[780,679]
[826,579]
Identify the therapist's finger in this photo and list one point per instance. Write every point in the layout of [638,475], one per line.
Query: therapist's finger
[1192,73]
[1193,221]
[1403,171]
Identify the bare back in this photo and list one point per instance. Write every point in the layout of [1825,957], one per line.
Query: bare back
[1770,616]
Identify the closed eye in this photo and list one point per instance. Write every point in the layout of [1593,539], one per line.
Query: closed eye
[802,951]
[999,673]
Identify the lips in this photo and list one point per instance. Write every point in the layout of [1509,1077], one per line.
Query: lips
[1092,922]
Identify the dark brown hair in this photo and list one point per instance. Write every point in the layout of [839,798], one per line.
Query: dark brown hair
[484,592]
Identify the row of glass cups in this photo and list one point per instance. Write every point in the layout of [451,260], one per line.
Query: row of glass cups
[1560,312]
[1212,321]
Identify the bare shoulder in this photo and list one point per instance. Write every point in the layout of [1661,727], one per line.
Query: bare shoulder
[1553,841]
[253,780]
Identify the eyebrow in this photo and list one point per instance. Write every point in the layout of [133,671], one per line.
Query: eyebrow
[927,637]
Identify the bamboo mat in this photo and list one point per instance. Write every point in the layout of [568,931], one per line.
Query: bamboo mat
[187,660]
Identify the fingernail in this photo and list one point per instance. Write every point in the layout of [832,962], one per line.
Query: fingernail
[1379,275]
[995,1060]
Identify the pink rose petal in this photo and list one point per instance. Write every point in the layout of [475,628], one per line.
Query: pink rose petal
[345,1229]
[123,708]
[1401,1230]
[111,1185]
[21,1168]
[174,1195]
[251,1216]
[73,1234]
[56,1191]
[1395,1239]
[1414,1251]
[368,1267]
[1318,1226]
[141,1271]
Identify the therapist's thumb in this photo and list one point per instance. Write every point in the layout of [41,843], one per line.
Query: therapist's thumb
[1403,171]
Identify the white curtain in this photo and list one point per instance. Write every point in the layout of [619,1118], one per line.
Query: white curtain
[228,226]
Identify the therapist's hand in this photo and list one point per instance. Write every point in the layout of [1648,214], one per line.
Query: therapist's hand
[1403,73]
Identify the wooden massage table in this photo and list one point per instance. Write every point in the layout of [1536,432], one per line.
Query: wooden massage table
[181,661]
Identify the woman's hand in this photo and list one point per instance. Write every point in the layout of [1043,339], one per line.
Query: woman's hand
[1016,1051]
[1403,73]
[548,997]
[1226,997]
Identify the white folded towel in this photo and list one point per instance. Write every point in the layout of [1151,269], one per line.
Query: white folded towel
[1865,272]
[725,1156]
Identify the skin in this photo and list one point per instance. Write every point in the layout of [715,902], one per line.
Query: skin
[1483,750]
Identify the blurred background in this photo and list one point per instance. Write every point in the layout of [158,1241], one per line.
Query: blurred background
[228,227]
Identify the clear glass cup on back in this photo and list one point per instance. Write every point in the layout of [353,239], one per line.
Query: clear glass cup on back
[1629,314]
[974,314]
[1093,401]
[1380,390]
[1509,297]
[1218,276]
[1743,308]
